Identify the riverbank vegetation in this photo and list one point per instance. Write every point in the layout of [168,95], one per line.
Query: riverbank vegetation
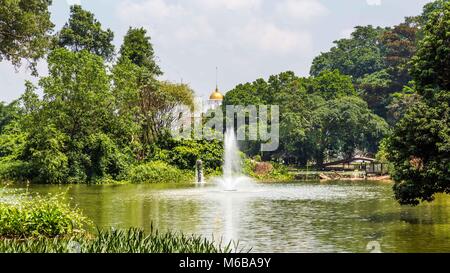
[385,86]
[101,117]
[48,224]
[106,117]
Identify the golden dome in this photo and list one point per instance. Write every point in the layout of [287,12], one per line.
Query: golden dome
[216,95]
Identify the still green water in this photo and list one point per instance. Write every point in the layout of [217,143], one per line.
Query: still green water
[291,217]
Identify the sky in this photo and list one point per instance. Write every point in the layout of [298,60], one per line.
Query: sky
[245,39]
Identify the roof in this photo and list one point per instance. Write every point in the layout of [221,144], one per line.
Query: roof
[350,160]
[216,95]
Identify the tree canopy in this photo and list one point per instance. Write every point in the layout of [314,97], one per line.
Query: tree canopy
[84,32]
[322,117]
[25,31]
[420,144]
[357,56]
[138,49]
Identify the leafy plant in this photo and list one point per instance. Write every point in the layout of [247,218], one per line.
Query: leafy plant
[157,172]
[38,216]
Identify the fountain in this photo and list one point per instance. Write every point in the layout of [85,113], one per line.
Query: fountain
[232,173]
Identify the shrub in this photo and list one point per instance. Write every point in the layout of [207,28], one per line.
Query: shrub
[157,172]
[14,170]
[263,168]
[185,153]
[267,171]
[40,216]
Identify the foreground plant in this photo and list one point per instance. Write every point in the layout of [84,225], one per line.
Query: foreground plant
[49,216]
[117,241]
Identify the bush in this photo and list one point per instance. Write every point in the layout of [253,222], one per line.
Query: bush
[14,170]
[158,172]
[38,216]
[118,241]
[185,153]
[266,171]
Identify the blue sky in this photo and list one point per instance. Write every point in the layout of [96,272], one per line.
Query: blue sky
[246,39]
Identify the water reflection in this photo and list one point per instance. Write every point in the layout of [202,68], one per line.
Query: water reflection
[306,217]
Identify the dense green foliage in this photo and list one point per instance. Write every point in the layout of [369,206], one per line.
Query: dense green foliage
[419,147]
[118,241]
[138,49]
[95,121]
[157,172]
[39,216]
[102,119]
[358,56]
[266,171]
[84,32]
[185,153]
[24,30]
[322,117]
[377,60]
[71,132]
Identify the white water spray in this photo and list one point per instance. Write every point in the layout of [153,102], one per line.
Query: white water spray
[232,170]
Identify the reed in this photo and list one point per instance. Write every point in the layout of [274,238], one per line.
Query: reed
[118,241]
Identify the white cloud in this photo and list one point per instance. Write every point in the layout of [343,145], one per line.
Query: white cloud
[304,10]
[197,29]
[144,12]
[268,37]
[230,4]
[374,2]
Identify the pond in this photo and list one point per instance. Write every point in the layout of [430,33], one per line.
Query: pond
[288,217]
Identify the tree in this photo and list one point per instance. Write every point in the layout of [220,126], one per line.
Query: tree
[376,90]
[138,49]
[400,104]
[158,102]
[349,126]
[321,118]
[84,32]
[71,133]
[331,85]
[420,144]
[397,44]
[431,64]
[8,113]
[358,56]
[25,28]
[419,149]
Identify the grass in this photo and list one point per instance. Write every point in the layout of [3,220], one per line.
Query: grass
[117,241]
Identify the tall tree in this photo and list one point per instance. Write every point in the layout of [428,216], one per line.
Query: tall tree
[431,64]
[25,28]
[420,144]
[357,56]
[138,49]
[71,135]
[84,32]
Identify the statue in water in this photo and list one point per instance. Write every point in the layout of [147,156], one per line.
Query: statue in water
[199,171]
